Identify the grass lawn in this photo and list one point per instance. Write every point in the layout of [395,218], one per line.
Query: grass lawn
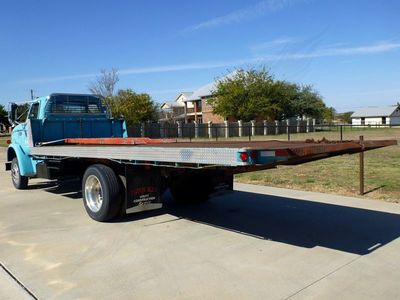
[339,175]
[3,141]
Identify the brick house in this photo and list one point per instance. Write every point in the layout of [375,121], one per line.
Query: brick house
[203,112]
[192,106]
[176,110]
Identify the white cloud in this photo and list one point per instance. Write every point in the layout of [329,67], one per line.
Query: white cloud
[371,49]
[282,41]
[345,51]
[238,16]
[142,70]
[376,48]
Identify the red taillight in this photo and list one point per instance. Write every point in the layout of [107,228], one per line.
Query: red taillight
[244,156]
[8,142]
[281,153]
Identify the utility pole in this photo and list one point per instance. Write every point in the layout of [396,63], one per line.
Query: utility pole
[32,96]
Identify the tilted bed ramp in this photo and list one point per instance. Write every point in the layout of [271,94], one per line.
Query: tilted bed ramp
[203,154]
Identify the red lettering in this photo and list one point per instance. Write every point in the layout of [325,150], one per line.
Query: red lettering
[143,190]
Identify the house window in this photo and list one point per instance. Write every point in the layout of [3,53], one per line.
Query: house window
[362,121]
[384,120]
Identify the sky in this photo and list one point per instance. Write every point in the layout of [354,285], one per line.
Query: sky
[349,51]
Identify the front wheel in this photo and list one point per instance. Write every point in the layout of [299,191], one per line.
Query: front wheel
[20,182]
[101,193]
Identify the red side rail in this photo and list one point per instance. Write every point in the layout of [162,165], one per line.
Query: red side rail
[117,141]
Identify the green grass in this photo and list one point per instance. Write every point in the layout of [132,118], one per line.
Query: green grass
[3,141]
[339,175]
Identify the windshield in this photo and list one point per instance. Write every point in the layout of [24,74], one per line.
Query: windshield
[75,104]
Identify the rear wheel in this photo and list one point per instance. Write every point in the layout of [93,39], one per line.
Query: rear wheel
[19,182]
[101,193]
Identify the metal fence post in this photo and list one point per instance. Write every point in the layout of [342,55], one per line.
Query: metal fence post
[341,132]
[179,128]
[265,124]
[226,129]
[308,125]
[253,128]
[209,129]
[196,129]
[161,128]
[287,126]
[142,130]
[240,124]
[313,125]
[276,127]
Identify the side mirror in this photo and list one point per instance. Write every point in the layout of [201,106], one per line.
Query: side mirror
[12,114]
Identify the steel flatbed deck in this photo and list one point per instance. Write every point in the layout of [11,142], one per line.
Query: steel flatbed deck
[224,153]
[64,137]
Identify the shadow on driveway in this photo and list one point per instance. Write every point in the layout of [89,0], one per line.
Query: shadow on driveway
[286,220]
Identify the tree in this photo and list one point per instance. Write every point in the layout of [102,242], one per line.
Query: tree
[104,84]
[247,94]
[136,108]
[345,117]
[329,114]
[309,103]
[240,94]
[3,111]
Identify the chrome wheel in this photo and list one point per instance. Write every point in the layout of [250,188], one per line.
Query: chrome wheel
[93,193]
[15,172]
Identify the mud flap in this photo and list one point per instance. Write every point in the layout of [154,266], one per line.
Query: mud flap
[221,182]
[143,189]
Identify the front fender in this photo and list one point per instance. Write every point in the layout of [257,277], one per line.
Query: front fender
[27,166]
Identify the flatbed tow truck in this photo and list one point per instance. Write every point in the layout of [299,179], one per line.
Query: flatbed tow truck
[68,135]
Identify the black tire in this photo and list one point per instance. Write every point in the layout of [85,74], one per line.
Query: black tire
[190,188]
[19,182]
[109,190]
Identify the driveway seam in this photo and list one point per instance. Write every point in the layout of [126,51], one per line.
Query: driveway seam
[323,277]
[18,282]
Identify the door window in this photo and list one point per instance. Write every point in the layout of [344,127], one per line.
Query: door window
[34,111]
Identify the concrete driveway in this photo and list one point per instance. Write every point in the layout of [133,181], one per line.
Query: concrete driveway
[255,243]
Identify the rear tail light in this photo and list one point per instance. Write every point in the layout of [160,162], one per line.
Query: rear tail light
[281,153]
[8,142]
[244,156]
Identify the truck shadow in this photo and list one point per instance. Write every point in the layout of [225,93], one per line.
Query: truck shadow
[70,188]
[292,221]
[295,222]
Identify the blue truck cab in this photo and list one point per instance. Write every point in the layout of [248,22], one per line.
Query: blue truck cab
[52,119]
